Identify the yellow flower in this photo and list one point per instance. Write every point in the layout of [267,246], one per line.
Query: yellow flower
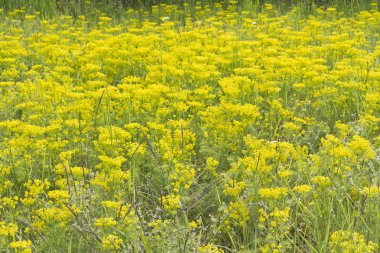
[20,244]
[105,222]
[273,193]
[238,211]
[209,248]
[111,242]
[9,229]
[303,188]
[59,195]
[171,203]
[322,181]
[361,147]
[234,188]
[193,225]
[345,241]
[371,192]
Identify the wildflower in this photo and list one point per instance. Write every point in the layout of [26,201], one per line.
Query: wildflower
[285,173]
[371,192]
[105,19]
[171,203]
[20,244]
[291,126]
[345,241]
[234,188]
[239,212]
[193,225]
[273,193]
[361,147]
[212,164]
[60,195]
[209,248]
[322,181]
[111,242]
[105,222]
[9,229]
[303,189]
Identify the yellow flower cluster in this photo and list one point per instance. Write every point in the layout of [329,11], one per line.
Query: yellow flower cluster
[275,229]
[234,188]
[238,212]
[273,193]
[321,181]
[182,177]
[22,246]
[111,242]
[171,203]
[303,189]
[372,191]
[9,229]
[209,248]
[346,241]
[105,222]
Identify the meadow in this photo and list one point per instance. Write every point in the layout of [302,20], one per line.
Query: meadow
[207,127]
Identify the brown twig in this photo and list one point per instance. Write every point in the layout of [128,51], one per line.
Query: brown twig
[32,228]
[81,229]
